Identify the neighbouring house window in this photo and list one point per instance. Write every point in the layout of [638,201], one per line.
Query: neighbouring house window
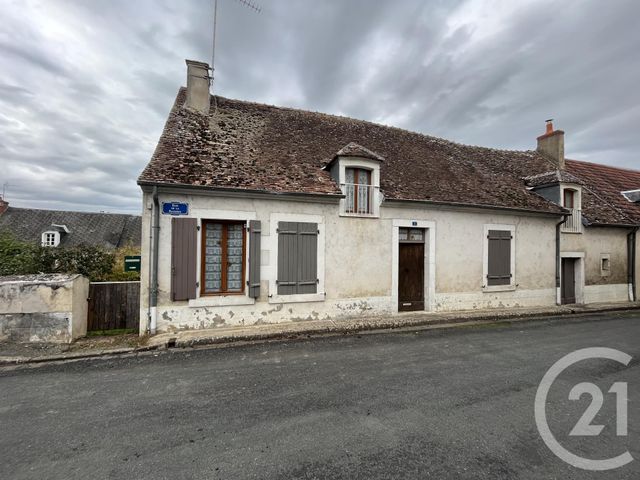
[50,239]
[297,258]
[499,257]
[569,198]
[223,257]
[358,191]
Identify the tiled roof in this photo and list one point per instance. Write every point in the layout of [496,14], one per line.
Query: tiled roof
[108,230]
[602,200]
[253,146]
[553,176]
[355,150]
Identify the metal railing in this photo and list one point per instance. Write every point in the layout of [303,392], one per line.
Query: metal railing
[359,199]
[574,222]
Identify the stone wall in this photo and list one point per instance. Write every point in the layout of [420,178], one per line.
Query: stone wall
[43,308]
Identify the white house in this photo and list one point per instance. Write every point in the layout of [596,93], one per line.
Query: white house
[254,213]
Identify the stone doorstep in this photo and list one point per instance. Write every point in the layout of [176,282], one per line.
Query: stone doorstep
[191,338]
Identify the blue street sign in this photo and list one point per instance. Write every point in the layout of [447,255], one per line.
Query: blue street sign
[175,208]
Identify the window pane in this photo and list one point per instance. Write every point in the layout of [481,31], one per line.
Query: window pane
[568,198]
[416,234]
[403,234]
[350,190]
[213,258]
[234,257]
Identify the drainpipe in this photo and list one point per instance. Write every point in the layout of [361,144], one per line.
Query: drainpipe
[153,276]
[558,264]
[631,264]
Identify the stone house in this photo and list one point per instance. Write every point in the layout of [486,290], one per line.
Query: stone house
[254,213]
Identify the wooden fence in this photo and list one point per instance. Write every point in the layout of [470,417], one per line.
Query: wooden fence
[113,305]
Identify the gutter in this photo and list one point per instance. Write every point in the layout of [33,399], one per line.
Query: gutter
[558,259]
[392,202]
[631,263]
[152,313]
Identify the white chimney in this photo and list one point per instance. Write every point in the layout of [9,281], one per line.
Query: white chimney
[198,86]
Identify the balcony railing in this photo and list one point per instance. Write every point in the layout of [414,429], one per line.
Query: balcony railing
[359,199]
[574,222]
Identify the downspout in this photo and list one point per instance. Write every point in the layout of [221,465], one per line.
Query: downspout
[558,260]
[153,277]
[631,264]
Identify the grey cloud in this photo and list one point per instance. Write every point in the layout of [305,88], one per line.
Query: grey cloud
[85,87]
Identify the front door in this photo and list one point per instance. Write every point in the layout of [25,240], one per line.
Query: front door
[411,277]
[568,287]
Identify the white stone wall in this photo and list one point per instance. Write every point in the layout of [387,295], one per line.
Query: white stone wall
[358,259]
[43,308]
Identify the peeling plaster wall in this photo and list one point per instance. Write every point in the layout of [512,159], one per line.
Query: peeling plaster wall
[595,242]
[358,263]
[43,308]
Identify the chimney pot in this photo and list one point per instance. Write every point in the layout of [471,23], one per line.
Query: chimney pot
[198,81]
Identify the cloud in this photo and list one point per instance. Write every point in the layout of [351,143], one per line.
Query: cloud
[85,87]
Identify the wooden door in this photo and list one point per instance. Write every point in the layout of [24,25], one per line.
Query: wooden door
[411,277]
[568,287]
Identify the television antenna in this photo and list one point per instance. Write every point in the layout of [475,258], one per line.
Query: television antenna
[247,3]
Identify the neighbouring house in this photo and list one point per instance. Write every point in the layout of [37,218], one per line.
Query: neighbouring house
[53,228]
[254,213]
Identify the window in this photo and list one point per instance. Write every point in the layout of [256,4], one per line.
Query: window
[605,264]
[297,258]
[499,261]
[569,198]
[223,257]
[358,191]
[50,239]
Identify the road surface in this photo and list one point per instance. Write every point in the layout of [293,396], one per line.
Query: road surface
[445,404]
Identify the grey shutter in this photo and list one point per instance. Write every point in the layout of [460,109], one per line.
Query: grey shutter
[297,258]
[307,277]
[499,261]
[287,258]
[254,259]
[183,258]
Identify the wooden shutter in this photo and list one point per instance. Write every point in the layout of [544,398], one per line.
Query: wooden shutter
[297,258]
[499,261]
[183,258]
[254,259]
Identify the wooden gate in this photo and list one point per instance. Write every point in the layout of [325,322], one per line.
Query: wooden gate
[113,305]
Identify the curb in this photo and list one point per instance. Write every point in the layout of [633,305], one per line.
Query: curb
[335,329]
[385,327]
[73,356]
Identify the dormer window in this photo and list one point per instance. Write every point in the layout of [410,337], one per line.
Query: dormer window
[571,200]
[357,170]
[50,239]
[358,191]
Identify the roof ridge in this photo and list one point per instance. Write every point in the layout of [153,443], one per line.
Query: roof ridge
[131,215]
[369,122]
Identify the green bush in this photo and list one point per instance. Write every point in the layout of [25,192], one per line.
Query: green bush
[98,264]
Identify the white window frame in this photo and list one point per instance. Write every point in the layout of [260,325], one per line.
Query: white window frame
[272,271]
[485,258]
[56,238]
[376,198]
[220,300]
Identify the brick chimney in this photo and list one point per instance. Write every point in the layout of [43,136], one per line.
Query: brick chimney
[3,205]
[551,144]
[198,86]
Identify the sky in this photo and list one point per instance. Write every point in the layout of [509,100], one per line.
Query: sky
[86,85]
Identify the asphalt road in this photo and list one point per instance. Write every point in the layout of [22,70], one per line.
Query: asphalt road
[455,404]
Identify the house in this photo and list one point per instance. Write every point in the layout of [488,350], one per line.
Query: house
[53,228]
[254,213]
